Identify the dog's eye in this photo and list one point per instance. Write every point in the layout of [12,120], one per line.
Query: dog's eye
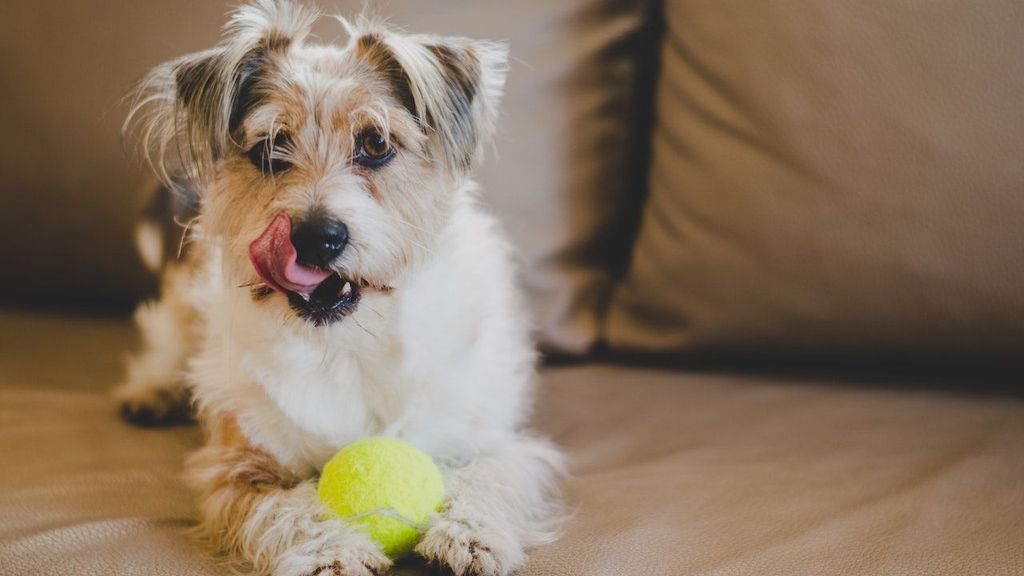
[373,149]
[267,157]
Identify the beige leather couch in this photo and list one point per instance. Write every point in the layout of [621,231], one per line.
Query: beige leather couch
[774,251]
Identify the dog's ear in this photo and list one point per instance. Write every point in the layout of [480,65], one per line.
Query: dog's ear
[195,105]
[452,86]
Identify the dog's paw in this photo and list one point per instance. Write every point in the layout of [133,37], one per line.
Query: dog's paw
[469,549]
[354,555]
[337,568]
[154,405]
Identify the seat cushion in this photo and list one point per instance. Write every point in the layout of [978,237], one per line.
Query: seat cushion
[833,177]
[674,472]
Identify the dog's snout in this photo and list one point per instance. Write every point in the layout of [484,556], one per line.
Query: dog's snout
[319,241]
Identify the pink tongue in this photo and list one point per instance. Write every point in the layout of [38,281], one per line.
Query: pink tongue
[273,256]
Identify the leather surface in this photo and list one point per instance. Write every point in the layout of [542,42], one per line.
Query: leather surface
[833,177]
[675,473]
[557,177]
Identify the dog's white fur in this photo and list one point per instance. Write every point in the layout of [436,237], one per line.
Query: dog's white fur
[440,358]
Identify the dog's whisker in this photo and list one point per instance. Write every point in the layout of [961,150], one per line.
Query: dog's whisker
[401,220]
[324,357]
[364,328]
[372,309]
[422,247]
[404,222]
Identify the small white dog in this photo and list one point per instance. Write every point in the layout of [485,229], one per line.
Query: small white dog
[340,282]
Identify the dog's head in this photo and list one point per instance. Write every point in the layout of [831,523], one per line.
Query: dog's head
[327,170]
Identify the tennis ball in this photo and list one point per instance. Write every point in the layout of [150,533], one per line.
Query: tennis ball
[384,487]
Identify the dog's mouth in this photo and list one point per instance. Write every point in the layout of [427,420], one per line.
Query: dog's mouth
[331,300]
[317,295]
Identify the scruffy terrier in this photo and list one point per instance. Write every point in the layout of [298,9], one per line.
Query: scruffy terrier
[340,282]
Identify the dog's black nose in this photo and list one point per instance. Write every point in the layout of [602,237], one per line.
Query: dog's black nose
[319,241]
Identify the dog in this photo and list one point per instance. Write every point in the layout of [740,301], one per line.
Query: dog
[339,280]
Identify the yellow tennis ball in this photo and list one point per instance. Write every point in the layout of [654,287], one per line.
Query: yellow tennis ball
[385,487]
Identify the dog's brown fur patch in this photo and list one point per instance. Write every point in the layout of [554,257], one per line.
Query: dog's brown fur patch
[373,49]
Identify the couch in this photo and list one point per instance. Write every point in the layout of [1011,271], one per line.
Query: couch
[773,251]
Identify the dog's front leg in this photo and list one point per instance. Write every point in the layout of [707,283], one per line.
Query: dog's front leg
[504,501]
[270,520]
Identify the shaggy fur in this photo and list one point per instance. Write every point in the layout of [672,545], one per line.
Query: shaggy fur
[437,351]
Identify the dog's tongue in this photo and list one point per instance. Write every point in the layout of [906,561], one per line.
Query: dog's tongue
[273,256]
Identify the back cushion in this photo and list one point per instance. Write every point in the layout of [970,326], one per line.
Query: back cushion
[70,194]
[833,177]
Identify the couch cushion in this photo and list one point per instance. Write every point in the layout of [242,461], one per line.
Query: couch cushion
[556,178]
[675,473]
[833,177]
